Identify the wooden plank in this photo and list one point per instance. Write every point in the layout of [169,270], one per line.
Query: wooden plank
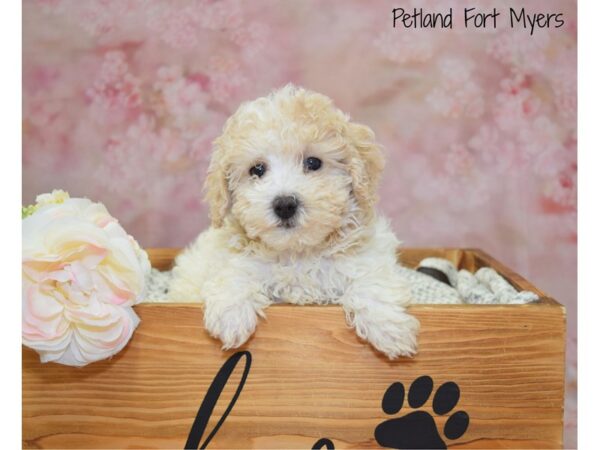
[310,378]
[162,258]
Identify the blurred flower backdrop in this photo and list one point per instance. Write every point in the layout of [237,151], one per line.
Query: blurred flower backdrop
[122,98]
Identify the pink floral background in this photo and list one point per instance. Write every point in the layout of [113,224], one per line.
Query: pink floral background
[122,98]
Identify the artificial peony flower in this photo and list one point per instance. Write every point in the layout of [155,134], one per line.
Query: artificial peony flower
[81,275]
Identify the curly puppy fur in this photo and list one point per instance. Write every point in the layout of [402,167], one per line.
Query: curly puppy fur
[335,249]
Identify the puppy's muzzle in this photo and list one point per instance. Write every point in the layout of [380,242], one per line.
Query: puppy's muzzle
[285,207]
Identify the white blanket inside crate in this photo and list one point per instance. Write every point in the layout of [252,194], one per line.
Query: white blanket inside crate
[485,286]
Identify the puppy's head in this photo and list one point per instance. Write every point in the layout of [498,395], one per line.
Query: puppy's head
[292,170]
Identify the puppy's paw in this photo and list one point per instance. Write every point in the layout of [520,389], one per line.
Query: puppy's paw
[397,339]
[233,326]
[392,332]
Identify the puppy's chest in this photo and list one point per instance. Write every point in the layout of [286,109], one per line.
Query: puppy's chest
[306,281]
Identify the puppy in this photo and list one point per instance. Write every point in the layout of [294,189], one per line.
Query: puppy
[292,188]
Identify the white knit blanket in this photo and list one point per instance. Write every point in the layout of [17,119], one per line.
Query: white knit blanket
[485,286]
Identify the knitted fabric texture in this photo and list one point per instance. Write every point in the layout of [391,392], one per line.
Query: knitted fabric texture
[486,286]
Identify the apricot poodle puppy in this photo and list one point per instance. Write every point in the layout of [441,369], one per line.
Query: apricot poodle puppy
[292,191]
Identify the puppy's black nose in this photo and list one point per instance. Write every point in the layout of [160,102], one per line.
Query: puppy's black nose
[285,206]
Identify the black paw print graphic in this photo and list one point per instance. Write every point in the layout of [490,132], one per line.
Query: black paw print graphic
[417,429]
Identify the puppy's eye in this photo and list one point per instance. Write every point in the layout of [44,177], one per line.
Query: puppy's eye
[312,163]
[258,170]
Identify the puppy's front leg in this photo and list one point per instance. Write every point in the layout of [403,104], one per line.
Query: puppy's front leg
[374,306]
[232,305]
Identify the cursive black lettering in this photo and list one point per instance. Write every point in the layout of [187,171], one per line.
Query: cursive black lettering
[323,442]
[211,398]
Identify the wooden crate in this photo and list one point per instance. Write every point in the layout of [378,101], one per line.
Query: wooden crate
[311,378]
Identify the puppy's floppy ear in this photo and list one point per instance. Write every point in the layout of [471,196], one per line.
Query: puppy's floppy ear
[365,165]
[216,188]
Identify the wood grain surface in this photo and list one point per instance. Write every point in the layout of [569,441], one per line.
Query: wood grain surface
[311,378]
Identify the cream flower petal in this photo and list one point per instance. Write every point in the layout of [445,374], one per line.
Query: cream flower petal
[88,346]
[81,274]
[44,325]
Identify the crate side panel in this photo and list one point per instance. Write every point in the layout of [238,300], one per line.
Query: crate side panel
[311,378]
